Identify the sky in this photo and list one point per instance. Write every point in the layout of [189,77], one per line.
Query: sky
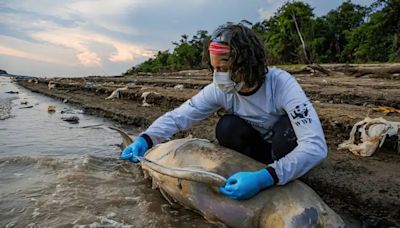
[70,38]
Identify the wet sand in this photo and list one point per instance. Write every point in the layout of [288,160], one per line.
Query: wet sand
[365,188]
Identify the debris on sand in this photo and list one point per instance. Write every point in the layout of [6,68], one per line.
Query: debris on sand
[12,92]
[71,111]
[33,81]
[71,119]
[51,108]
[92,126]
[88,86]
[117,93]
[144,96]
[29,106]
[179,87]
[51,85]
[373,134]
[386,109]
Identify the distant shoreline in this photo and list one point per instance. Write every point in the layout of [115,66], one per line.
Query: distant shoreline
[16,76]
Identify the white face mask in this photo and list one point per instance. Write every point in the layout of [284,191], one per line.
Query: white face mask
[224,82]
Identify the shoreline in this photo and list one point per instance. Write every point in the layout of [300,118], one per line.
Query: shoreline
[366,188]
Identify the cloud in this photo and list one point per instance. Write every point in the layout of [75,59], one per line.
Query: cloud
[28,50]
[266,13]
[80,41]
[77,33]
[101,7]
[27,55]
[71,40]
[88,58]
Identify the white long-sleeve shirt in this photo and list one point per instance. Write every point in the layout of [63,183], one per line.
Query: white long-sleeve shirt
[280,94]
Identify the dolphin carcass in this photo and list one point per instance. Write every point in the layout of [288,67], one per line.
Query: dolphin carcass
[372,134]
[174,167]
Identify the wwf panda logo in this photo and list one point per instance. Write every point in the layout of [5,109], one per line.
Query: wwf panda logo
[300,111]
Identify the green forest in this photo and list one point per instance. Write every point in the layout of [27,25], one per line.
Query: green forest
[349,34]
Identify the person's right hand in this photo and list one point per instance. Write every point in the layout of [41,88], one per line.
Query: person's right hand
[136,149]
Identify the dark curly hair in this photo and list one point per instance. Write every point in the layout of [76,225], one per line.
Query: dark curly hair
[247,56]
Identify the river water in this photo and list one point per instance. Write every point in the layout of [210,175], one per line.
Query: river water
[57,174]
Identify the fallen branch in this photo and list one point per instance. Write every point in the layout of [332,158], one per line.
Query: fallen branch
[388,72]
[319,68]
[309,69]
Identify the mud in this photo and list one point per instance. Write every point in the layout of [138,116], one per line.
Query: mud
[365,188]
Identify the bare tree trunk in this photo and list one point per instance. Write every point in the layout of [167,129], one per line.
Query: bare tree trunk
[301,39]
[310,64]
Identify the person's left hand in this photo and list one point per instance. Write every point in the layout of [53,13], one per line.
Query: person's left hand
[244,185]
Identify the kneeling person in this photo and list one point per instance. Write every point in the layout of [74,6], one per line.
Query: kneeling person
[270,118]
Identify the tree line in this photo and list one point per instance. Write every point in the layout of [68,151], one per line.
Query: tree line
[349,34]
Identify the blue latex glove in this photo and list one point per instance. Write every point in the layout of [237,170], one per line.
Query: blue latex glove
[137,148]
[244,185]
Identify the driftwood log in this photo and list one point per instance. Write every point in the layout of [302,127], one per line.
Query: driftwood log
[309,69]
[392,72]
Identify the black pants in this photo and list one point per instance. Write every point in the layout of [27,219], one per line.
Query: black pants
[235,133]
